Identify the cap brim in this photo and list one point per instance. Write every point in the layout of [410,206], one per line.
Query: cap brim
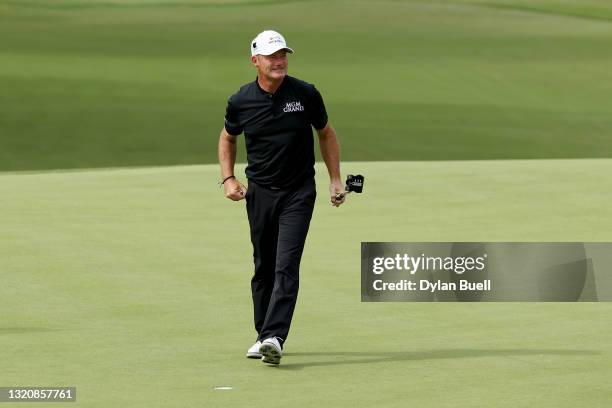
[273,50]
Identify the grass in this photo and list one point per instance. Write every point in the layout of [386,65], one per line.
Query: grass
[133,285]
[139,83]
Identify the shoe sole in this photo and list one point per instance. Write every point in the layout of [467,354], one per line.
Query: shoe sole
[271,355]
[254,355]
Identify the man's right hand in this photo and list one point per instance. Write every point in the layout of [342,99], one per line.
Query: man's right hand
[234,190]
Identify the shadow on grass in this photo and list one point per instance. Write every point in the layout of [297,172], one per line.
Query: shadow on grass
[23,330]
[355,357]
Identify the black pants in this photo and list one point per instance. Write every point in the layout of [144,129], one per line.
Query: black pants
[279,221]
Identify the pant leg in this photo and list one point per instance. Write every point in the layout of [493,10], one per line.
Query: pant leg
[263,222]
[295,213]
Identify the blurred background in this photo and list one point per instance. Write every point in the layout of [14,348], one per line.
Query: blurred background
[104,83]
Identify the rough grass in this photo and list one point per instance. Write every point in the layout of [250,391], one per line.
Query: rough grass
[131,83]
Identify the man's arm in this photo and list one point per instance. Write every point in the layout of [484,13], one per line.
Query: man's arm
[234,190]
[330,150]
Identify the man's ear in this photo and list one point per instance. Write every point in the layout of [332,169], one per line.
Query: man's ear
[254,60]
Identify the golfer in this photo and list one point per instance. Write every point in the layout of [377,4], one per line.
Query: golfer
[276,113]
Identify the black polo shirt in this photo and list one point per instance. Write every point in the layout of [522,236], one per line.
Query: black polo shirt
[277,130]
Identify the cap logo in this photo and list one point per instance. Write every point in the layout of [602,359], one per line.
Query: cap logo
[254,45]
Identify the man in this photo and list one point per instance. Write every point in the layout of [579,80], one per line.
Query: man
[276,113]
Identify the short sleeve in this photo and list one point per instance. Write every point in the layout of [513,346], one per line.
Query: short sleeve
[318,114]
[232,120]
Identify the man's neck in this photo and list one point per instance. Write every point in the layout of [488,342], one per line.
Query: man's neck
[269,85]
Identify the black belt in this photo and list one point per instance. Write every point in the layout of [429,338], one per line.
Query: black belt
[277,188]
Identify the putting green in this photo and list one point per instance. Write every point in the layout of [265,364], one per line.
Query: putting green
[133,286]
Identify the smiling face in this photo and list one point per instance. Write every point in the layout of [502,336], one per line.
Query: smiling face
[272,67]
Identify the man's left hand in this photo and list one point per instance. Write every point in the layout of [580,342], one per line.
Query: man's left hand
[337,193]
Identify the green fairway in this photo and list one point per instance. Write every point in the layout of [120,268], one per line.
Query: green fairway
[98,83]
[133,286]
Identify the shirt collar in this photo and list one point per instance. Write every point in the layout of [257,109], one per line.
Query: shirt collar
[268,93]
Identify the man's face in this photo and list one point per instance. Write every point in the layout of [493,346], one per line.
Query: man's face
[272,66]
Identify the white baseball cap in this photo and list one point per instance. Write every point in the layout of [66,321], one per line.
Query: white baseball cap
[268,42]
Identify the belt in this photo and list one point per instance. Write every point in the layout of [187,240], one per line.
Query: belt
[277,188]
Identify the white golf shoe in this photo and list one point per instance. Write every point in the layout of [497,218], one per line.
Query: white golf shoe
[271,351]
[253,351]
